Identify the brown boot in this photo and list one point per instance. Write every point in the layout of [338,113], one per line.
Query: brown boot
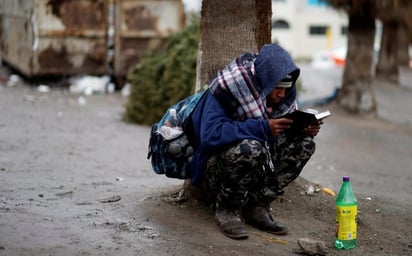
[261,218]
[230,223]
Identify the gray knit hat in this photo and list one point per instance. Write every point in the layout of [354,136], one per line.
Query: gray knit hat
[285,82]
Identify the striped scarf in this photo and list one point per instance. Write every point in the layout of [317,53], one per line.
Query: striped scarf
[236,87]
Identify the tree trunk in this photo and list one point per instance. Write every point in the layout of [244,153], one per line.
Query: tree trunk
[394,49]
[227,29]
[356,94]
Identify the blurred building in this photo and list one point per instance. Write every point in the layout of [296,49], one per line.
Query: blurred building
[70,37]
[305,27]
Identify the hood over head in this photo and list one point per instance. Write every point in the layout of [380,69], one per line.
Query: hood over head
[272,64]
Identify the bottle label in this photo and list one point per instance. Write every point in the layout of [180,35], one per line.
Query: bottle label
[346,222]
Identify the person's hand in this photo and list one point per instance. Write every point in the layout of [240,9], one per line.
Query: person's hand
[313,129]
[278,126]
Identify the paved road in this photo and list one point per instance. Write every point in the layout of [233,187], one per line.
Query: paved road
[376,154]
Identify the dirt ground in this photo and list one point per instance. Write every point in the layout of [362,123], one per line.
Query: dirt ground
[74,180]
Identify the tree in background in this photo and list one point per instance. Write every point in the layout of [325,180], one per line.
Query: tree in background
[356,94]
[163,78]
[394,49]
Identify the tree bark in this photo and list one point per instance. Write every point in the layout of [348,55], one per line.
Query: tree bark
[227,29]
[394,49]
[356,94]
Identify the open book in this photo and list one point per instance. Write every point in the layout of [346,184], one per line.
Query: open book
[304,118]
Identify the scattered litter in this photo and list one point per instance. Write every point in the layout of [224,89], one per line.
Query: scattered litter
[14,80]
[126,90]
[112,199]
[43,88]
[270,238]
[311,247]
[310,190]
[119,179]
[329,191]
[177,197]
[378,210]
[82,101]
[368,198]
[111,88]
[89,85]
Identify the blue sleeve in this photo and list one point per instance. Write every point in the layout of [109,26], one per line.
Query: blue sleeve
[218,129]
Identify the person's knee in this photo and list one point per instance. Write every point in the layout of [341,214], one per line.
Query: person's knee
[252,149]
[309,145]
[247,152]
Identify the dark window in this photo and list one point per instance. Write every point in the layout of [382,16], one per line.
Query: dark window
[318,30]
[344,30]
[280,24]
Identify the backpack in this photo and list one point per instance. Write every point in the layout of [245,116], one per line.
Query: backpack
[170,148]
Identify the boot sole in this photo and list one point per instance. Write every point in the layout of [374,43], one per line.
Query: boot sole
[224,228]
[237,237]
[278,233]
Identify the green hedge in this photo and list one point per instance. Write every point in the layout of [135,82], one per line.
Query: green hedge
[163,78]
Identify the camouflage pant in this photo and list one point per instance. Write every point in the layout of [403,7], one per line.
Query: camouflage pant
[255,172]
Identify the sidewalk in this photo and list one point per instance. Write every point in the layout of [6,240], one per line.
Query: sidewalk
[394,103]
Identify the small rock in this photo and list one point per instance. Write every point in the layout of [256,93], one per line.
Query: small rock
[311,247]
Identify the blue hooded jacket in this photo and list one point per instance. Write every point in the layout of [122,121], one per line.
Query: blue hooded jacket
[213,125]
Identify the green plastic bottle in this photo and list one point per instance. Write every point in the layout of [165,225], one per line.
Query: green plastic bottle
[346,214]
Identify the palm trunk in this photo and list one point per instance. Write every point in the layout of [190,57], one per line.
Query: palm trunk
[229,28]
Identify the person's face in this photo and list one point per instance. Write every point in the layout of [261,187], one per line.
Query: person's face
[275,96]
